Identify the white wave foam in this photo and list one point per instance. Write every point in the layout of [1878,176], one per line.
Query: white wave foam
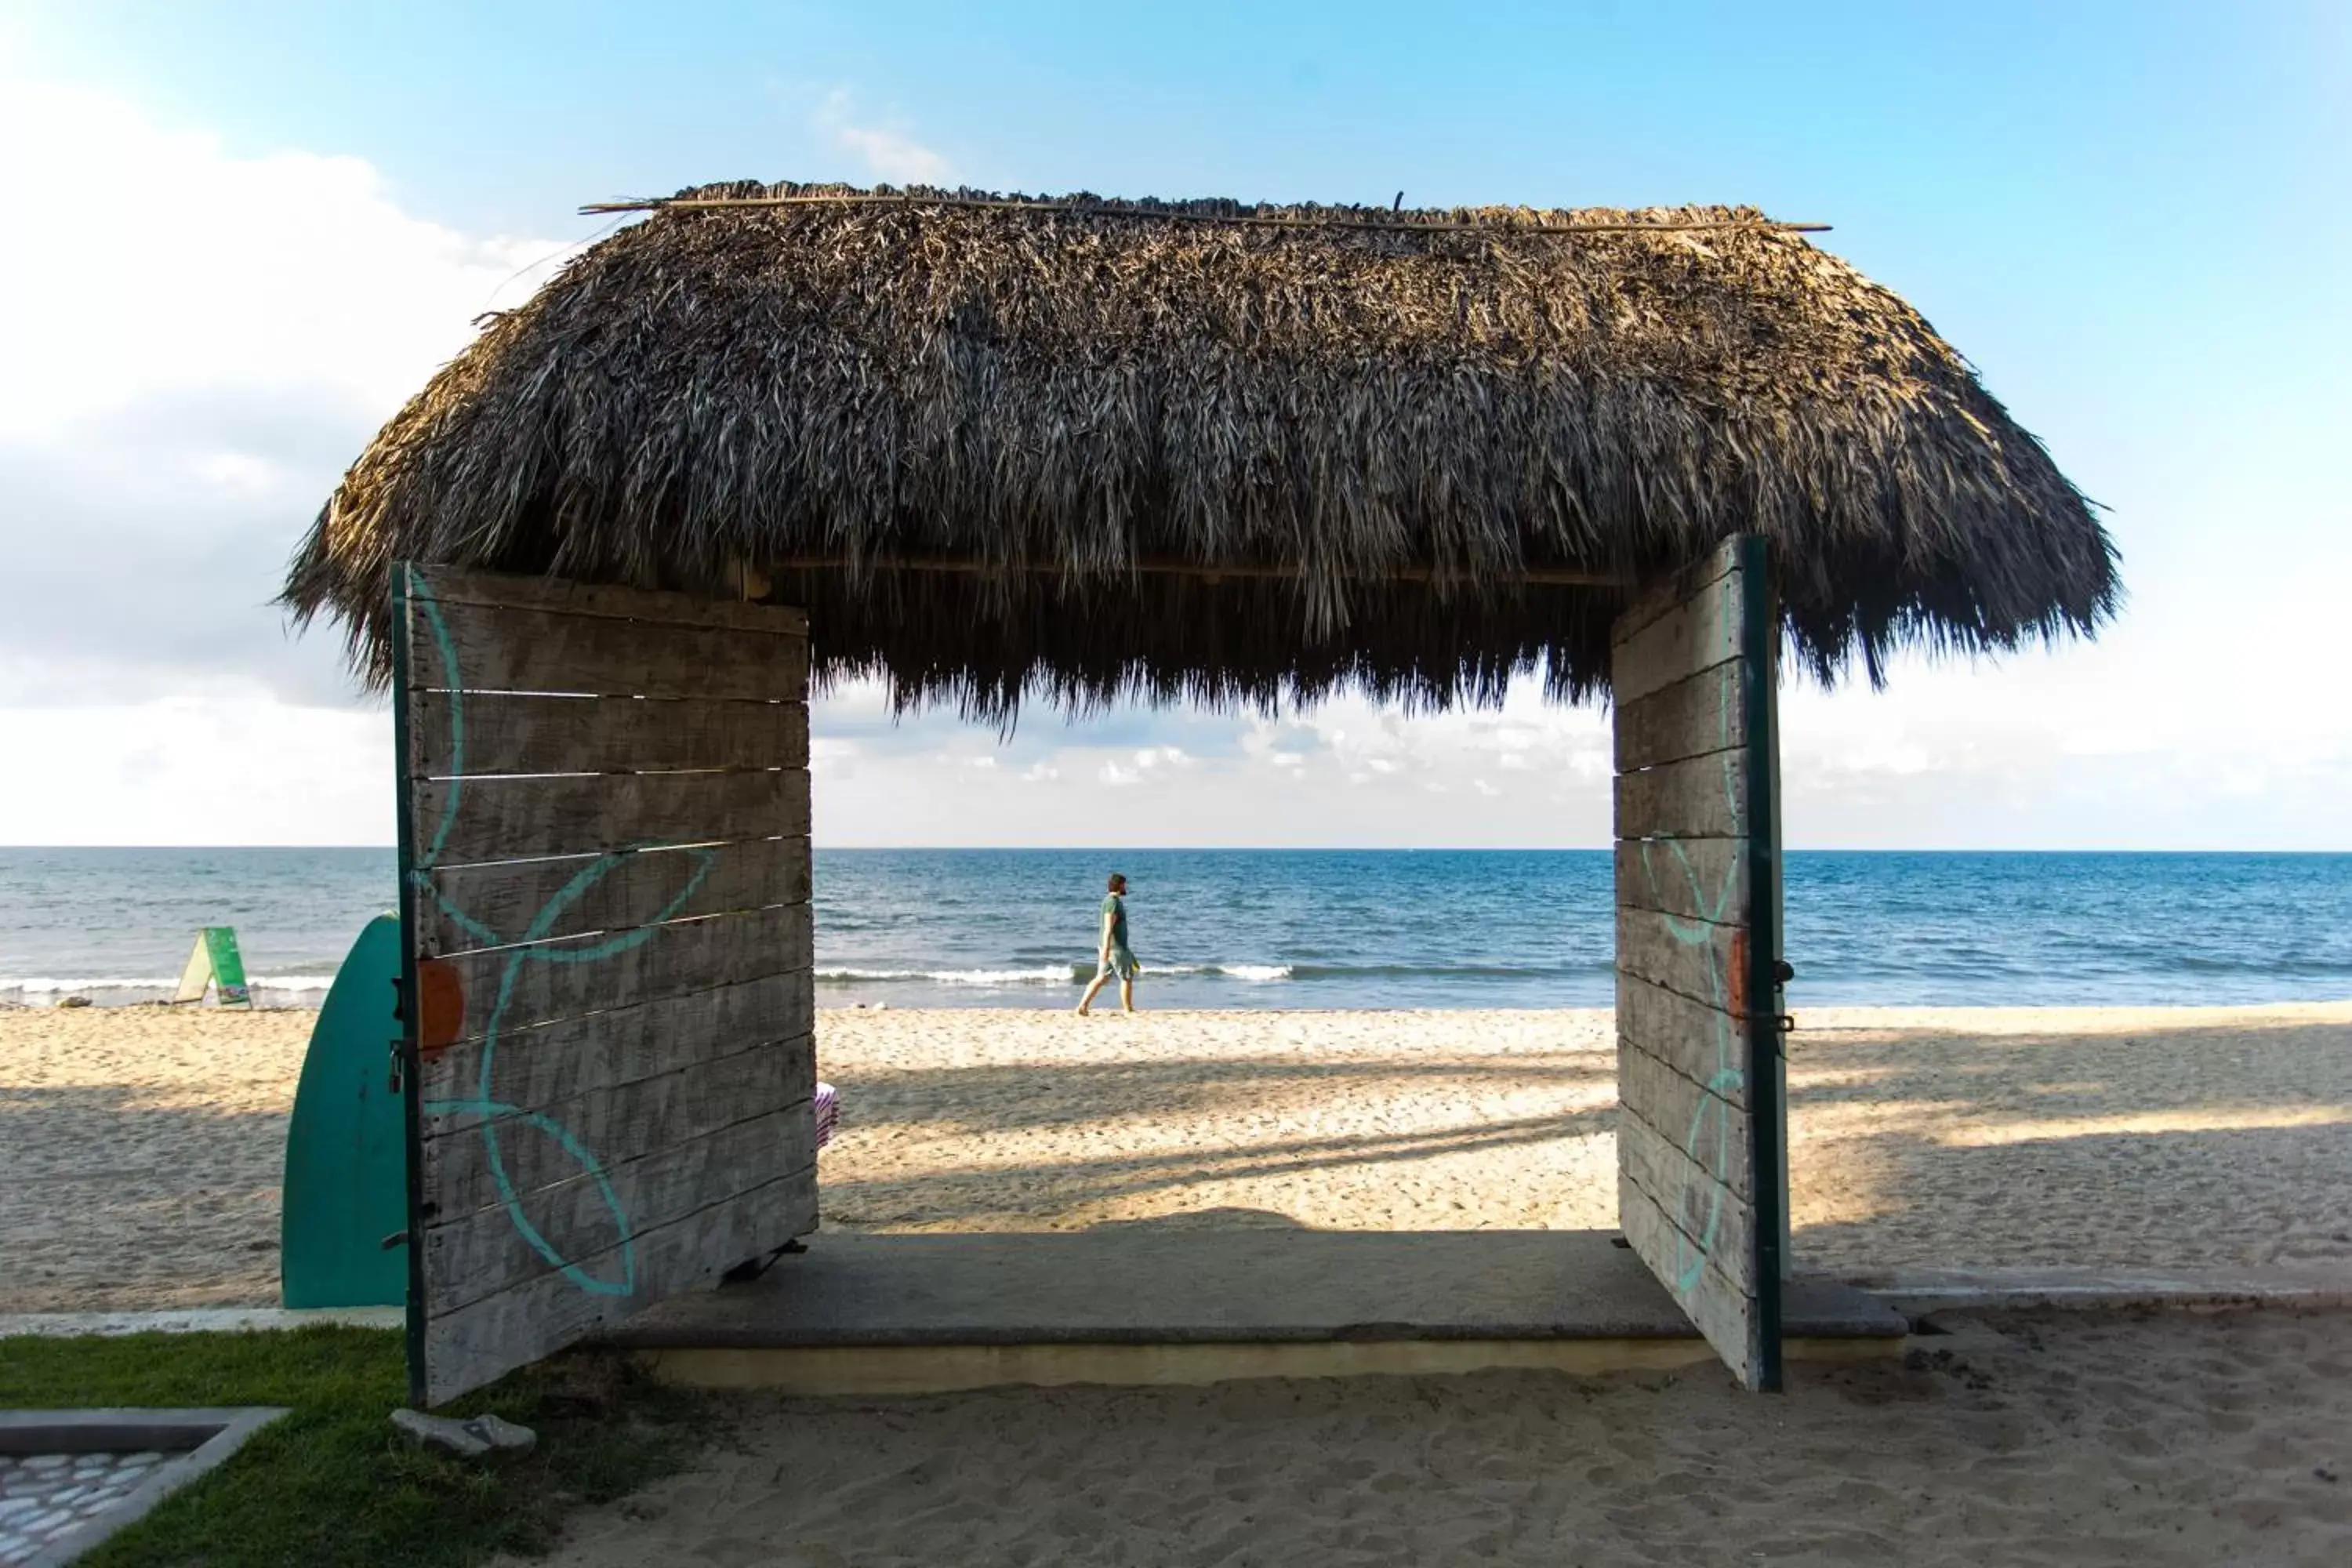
[1248,973]
[1060,975]
[39,985]
[110,990]
[1254,973]
[44,984]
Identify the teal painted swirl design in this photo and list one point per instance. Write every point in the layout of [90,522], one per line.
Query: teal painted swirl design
[1713,1115]
[484,1101]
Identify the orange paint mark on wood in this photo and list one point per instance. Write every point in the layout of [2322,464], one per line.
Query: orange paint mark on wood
[1740,972]
[441,1007]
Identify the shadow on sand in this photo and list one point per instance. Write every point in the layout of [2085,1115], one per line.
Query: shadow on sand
[2194,1146]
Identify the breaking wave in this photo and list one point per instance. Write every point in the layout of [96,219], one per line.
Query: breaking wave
[1049,974]
[46,990]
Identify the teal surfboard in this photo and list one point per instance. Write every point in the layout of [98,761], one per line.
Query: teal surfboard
[346,1148]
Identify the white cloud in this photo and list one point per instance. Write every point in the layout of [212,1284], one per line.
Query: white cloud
[197,343]
[889,151]
[194,341]
[215,763]
[162,264]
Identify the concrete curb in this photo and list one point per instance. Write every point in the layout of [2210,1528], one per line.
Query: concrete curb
[1916,1290]
[218,1433]
[196,1320]
[1908,1291]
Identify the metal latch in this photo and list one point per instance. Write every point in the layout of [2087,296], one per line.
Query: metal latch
[393,1077]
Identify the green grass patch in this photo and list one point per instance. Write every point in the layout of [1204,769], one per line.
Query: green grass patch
[334,1482]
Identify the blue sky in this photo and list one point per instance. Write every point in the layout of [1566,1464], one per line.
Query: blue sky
[250,230]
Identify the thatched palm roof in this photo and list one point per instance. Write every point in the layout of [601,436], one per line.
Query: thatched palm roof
[1095,449]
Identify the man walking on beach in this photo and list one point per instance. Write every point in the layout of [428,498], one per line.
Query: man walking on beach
[1113,956]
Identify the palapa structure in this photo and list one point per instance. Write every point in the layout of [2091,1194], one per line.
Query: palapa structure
[1093,451]
[1096,450]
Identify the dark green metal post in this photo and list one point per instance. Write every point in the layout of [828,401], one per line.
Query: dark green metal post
[1759,622]
[411,1062]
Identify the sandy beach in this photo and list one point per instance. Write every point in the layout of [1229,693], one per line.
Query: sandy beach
[2046,1439]
[140,1147]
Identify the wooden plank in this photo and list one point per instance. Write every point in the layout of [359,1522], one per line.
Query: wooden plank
[475,647]
[469,821]
[1697,714]
[1698,879]
[509,732]
[615,1125]
[486,1252]
[614,953]
[549,982]
[498,903]
[1719,1222]
[546,1063]
[1694,959]
[1723,1315]
[1698,797]
[1707,1127]
[1658,595]
[452,585]
[1686,1036]
[1699,632]
[474,1345]
[1171,566]
[1722,1311]
[1687,1133]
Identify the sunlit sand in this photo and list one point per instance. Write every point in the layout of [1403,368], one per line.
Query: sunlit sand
[140,1148]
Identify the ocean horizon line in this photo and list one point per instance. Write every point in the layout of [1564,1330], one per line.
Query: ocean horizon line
[1418,926]
[1602,848]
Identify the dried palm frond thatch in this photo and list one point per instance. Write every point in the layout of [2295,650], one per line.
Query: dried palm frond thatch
[1089,450]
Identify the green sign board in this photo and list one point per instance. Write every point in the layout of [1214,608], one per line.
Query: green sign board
[214,962]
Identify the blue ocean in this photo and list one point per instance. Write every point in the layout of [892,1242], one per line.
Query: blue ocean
[1014,928]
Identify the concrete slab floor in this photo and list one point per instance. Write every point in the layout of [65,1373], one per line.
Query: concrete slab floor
[1143,1285]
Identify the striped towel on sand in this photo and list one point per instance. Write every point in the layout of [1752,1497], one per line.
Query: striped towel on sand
[828,1113]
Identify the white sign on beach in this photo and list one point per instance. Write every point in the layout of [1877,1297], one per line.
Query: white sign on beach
[214,962]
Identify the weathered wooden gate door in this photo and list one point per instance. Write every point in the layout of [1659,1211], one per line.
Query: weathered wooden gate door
[604,881]
[1701,1149]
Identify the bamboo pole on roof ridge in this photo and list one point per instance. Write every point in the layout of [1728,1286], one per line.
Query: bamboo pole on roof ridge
[691,204]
